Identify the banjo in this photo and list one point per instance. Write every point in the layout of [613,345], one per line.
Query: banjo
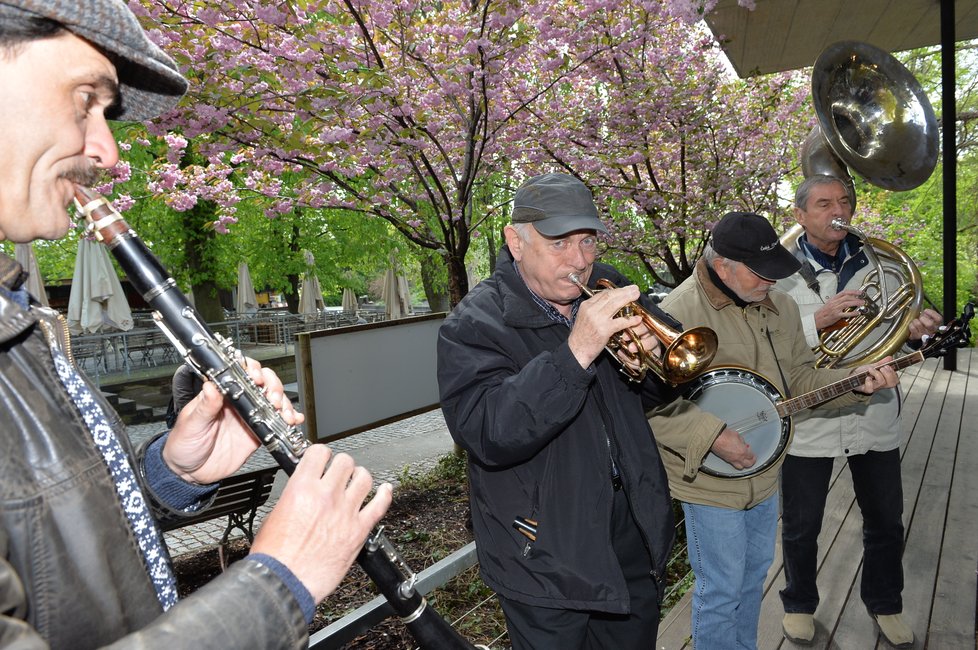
[755,408]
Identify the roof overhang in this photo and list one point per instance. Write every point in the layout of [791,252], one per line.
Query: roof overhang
[780,35]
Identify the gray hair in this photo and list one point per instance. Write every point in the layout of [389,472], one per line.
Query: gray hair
[710,255]
[523,230]
[810,183]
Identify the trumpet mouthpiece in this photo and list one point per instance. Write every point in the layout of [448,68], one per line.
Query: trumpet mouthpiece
[575,278]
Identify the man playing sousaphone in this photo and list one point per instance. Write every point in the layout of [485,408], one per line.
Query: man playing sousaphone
[731,523]
[827,290]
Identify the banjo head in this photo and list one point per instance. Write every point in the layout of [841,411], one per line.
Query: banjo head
[747,402]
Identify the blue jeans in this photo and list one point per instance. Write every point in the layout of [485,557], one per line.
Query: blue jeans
[730,552]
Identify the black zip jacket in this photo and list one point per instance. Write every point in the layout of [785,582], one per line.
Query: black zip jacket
[540,432]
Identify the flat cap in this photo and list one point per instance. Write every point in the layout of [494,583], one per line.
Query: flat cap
[149,81]
[556,204]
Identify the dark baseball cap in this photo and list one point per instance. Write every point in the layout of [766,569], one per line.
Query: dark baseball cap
[748,238]
[149,82]
[556,204]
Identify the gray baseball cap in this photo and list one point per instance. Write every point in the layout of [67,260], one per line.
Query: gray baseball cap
[149,81]
[556,204]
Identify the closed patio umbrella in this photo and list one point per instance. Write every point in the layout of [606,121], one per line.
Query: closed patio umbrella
[97,301]
[311,295]
[24,254]
[391,296]
[245,302]
[349,301]
[404,295]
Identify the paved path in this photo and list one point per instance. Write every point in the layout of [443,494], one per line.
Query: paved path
[413,445]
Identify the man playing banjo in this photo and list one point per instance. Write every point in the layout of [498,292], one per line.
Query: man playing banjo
[731,522]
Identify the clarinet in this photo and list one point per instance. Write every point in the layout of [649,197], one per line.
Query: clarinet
[214,357]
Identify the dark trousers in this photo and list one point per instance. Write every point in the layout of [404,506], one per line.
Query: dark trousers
[879,493]
[540,628]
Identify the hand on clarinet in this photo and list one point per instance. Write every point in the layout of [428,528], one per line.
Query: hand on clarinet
[321,522]
[210,441]
[731,447]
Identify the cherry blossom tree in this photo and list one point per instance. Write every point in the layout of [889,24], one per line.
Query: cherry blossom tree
[665,135]
[388,108]
[409,111]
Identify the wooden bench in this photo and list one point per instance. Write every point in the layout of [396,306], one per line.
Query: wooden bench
[238,498]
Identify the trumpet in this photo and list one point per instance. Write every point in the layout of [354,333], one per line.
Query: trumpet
[684,356]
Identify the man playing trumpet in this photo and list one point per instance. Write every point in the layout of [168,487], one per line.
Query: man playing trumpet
[867,435]
[570,505]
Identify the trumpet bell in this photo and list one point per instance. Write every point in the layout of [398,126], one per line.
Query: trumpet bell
[684,354]
[689,355]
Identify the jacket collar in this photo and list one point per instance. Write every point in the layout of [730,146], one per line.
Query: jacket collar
[519,310]
[716,297]
[850,258]
[13,318]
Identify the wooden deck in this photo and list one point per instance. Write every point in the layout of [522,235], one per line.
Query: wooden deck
[940,484]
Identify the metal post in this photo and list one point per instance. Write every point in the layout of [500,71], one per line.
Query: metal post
[949,136]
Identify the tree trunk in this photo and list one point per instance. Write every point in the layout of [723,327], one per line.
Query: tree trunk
[431,274]
[292,294]
[198,241]
[458,278]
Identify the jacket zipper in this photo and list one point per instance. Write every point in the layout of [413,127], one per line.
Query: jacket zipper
[624,483]
[62,342]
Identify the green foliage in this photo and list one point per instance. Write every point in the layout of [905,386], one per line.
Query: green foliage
[55,259]
[914,221]
[451,468]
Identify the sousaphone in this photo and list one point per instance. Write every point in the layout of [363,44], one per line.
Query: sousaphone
[874,118]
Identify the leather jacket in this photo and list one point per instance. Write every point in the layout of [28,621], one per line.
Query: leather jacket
[71,575]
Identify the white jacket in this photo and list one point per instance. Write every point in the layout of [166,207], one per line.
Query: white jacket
[850,430]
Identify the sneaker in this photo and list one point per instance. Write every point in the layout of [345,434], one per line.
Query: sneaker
[895,630]
[799,628]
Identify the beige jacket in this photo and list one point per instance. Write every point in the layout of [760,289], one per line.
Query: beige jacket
[685,433]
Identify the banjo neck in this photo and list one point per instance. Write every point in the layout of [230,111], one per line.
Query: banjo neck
[748,402]
[789,407]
